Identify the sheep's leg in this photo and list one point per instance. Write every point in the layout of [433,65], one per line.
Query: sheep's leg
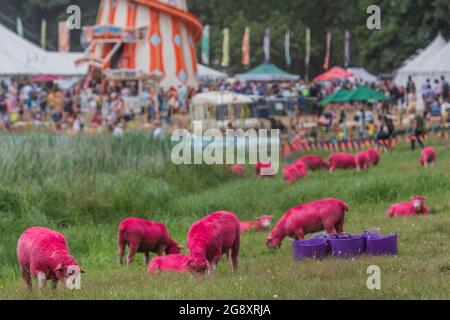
[132,253]
[26,277]
[42,280]
[161,249]
[299,234]
[234,252]
[122,245]
[54,284]
[331,230]
[340,225]
[146,258]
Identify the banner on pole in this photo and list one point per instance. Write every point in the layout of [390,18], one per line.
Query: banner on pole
[347,53]
[246,48]
[63,37]
[267,46]
[205,45]
[226,48]
[287,48]
[326,64]
[43,33]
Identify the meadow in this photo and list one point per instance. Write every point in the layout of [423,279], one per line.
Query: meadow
[84,186]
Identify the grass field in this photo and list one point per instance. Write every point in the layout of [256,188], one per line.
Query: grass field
[83,187]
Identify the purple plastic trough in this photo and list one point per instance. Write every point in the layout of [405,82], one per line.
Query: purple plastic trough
[381,245]
[312,248]
[346,246]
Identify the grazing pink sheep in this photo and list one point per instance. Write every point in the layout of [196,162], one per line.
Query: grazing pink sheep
[238,169]
[314,162]
[144,236]
[362,161]
[210,238]
[172,262]
[311,217]
[427,156]
[290,174]
[341,161]
[375,156]
[263,223]
[302,168]
[408,209]
[44,253]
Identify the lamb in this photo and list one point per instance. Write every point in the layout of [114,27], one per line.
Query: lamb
[44,253]
[362,161]
[302,168]
[427,156]
[173,262]
[210,238]
[238,169]
[408,209]
[341,161]
[314,162]
[328,214]
[374,156]
[144,236]
[290,174]
[263,223]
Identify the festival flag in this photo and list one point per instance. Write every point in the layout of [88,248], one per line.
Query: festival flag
[326,64]
[226,48]
[205,45]
[63,37]
[19,27]
[287,49]
[347,49]
[267,46]
[307,52]
[246,48]
[43,33]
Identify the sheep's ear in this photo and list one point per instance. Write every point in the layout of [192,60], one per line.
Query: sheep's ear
[180,246]
[82,270]
[59,267]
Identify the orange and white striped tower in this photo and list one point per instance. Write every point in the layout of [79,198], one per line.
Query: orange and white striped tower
[144,39]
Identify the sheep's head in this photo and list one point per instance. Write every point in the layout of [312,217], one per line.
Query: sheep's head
[266,221]
[176,249]
[69,274]
[198,265]
[273,242]
[418,202]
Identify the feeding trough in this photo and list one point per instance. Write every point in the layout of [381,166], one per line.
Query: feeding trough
[346,245]
[313,248]
[381,245]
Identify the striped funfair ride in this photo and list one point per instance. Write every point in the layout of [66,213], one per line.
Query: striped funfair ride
[144,40]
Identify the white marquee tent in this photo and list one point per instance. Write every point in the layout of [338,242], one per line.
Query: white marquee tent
[439,64]
[362,74]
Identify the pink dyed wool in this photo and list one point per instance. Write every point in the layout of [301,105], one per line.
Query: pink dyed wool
[263,223]
[374,156]
[314,162]
[408,209]
[427,156]
[341,161]
[362,161]
[302,168]
[170,263]
[307,218]
[210,238]
[144,236]
[44,253]
[290,174]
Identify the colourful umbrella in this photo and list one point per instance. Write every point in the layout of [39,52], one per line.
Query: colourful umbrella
[335,73]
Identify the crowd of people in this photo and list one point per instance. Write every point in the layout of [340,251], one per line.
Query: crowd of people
[114,106]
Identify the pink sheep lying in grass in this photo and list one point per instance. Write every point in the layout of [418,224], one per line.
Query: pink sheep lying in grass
[314,162]
[341,161]
[427,156]
[263,223]
[290,174]
[374,156]
[362,161]
[238,169]
[310,217]
[212,237]
[144,236]
[415,207]
[172,262]
[44,253]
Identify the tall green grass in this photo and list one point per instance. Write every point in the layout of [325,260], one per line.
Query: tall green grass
[83,186]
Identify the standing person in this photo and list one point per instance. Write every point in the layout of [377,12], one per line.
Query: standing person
[411,86]
[437,89]
[55,101]
[445,89]
[418,129]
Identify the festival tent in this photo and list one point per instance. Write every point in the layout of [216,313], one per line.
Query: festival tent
[333,98]
[439,64]
[362,75]
[333,74]
[267,72]
[215,98]
[415,67]
[209,74]
[362,93]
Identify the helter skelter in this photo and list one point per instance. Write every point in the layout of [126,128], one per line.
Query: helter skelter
[144,40]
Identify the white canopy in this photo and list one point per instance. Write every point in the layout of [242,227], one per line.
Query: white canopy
[415,66]
[439,64]
[19,56]
[363,74]
[209,74]
[216,98]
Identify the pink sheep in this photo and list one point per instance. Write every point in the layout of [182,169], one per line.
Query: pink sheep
[210,238]
[302,168]
[263,223]
[314,162]
[374,156]
[341,161]
[144,236]
[427,156]
[311,217]
[362,161]
[408,209]
[173,262]
[238,169]
[290,174]
[44,253]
